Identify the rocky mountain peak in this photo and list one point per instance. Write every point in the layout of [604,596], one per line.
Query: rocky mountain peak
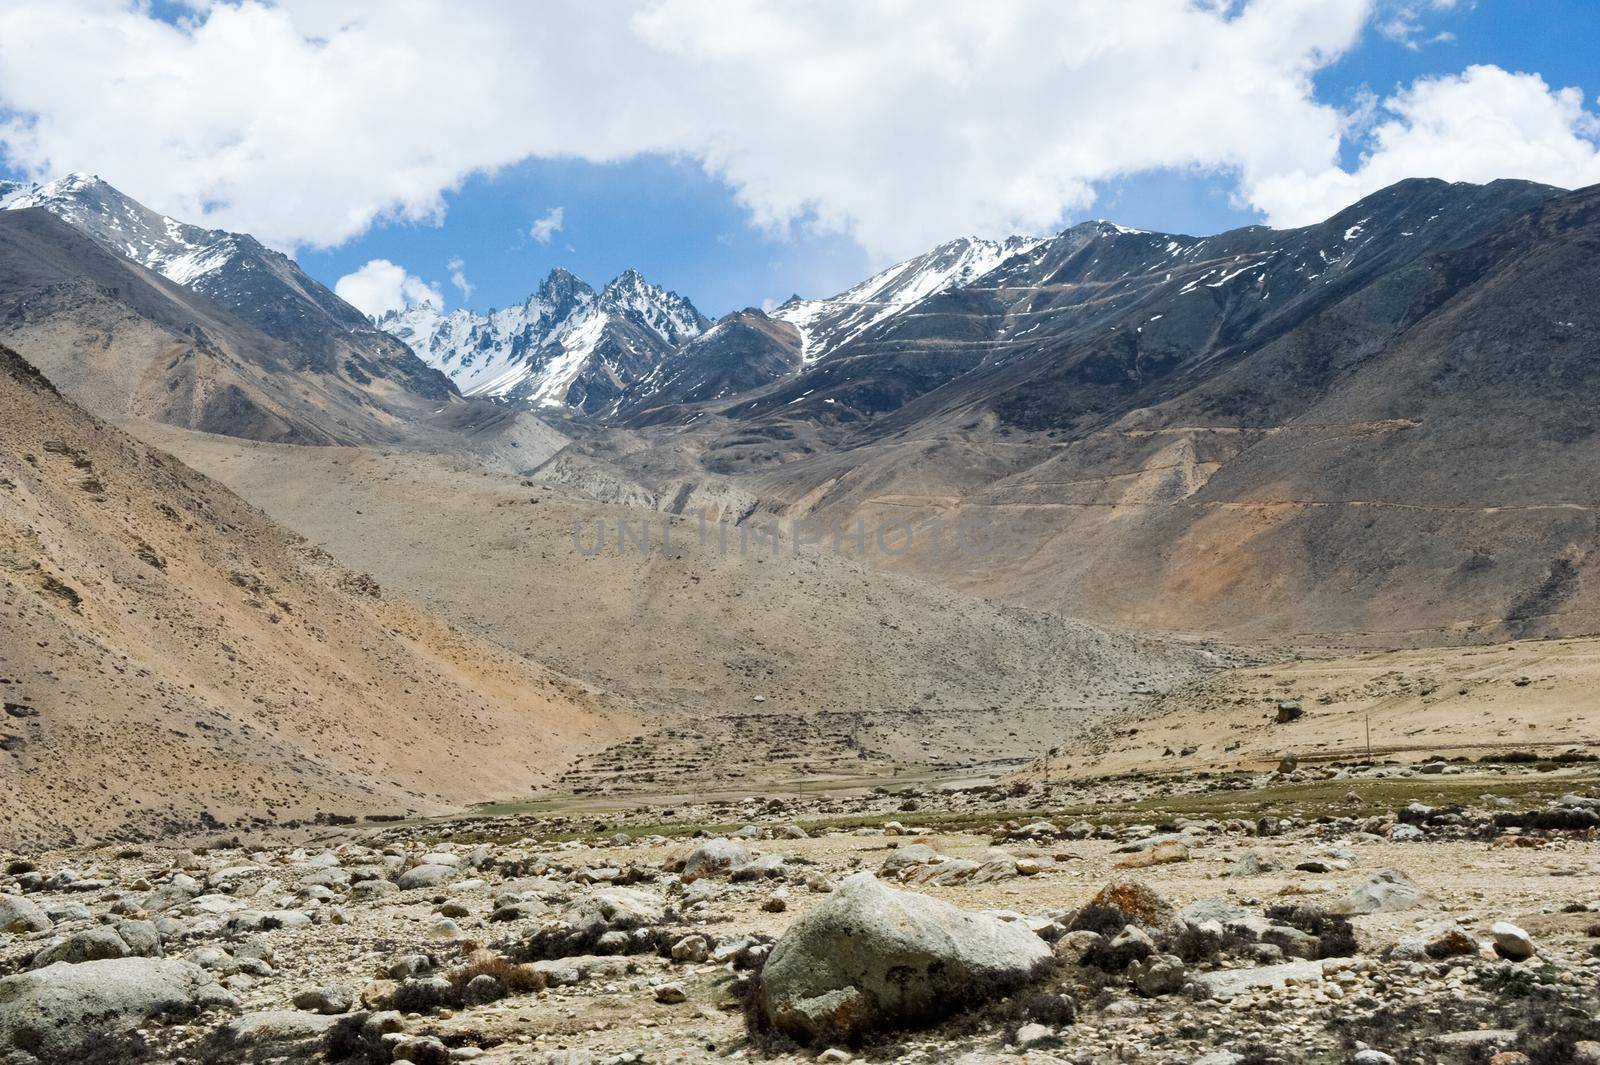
[565,345]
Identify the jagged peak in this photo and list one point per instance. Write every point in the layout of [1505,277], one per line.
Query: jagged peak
[631,281]
[559,285]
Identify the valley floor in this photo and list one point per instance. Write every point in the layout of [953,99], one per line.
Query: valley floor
[305,936]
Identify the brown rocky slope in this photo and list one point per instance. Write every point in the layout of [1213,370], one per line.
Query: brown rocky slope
[169,657]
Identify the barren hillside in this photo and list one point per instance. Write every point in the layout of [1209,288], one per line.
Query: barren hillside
[169,657]
[826,659]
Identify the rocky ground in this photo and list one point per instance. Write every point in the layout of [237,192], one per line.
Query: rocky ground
[1359,913]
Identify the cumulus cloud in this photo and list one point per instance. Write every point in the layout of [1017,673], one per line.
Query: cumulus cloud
[458,277]
[1483,124]
[382,286]
[547,225]
[899,123]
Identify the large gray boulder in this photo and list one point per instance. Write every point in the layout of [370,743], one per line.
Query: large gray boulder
[715,857]
[91,944]
[50,1011]
[279,1027]
[423,876]
[19,915]
[871,958]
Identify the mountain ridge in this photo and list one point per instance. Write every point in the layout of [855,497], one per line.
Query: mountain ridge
[565,346]
[264,288]
[1365,430]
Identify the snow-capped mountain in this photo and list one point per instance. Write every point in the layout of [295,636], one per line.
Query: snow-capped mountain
[827,324]
[1045,332]
[265,288]
[565,346]
[176,250]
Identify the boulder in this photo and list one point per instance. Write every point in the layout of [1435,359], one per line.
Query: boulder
[1134,901]
[91,944]
[49,1011]
[715,857]
[871,958]
[1159,974]
[328,1001]
[279,1027]
[1511,942]
[1383,892]
[614,909]
[423,876]
[20,915]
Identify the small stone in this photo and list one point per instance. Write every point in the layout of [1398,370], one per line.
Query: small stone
[483,989]
[1167,852]
[691,949]
[1031,1034]
[1161,974]
[671,994]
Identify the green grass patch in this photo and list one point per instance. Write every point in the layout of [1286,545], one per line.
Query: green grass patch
[1305,800]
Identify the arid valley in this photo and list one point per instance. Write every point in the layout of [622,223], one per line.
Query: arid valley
[1070,644]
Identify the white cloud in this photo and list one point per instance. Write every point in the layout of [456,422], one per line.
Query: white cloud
[381,286]
[547,225]
[1402,22]
[458,277]
[1484,124]
[897,122]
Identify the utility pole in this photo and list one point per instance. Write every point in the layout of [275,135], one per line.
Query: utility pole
[1369,737]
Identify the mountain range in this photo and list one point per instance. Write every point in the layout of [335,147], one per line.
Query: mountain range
[1185,432]
[1372,429]
[1375,431]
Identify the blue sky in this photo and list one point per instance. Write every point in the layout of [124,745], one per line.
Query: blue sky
[684,230]
[699,149]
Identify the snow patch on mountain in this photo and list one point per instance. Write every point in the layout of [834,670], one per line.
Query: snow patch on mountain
[828,324]
[541,352]
[180,252]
